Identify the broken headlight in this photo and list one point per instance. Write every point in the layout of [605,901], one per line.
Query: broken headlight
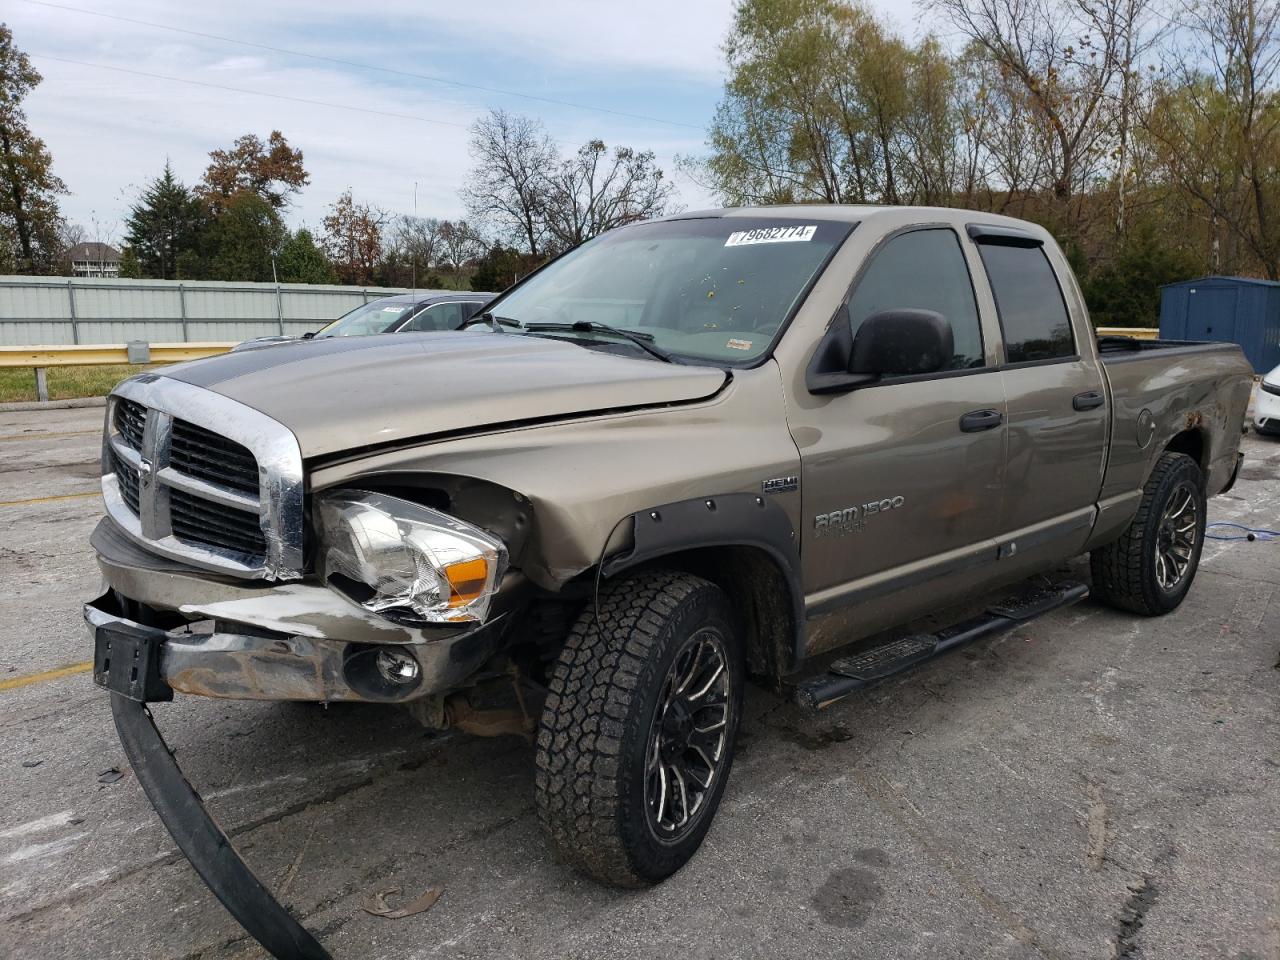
[406,561]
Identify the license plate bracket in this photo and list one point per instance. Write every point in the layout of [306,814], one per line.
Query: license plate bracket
[126,660]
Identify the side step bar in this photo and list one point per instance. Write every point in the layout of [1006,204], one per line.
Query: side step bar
[861,670]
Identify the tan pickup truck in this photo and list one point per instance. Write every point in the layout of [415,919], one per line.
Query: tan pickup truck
[689,452]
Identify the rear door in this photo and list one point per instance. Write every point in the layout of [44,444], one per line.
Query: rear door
[1053,384]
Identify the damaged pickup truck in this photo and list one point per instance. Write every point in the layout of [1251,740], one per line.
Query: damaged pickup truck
[691,451]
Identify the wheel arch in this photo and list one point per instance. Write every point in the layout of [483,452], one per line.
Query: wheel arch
[1194,442]
[743,543]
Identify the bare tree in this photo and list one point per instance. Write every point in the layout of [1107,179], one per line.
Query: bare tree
[1067,56]
[458,244]
[506,190]
[597,190]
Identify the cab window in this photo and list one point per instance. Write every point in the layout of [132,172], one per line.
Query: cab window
[1033,316]
[923,270]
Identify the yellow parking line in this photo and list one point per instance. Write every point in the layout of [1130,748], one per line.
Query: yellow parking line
[61,496]
[57,674]
[50,436]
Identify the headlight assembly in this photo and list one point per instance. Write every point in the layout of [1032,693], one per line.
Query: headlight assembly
[406,561]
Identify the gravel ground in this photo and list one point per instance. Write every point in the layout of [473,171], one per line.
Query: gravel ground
[1093,785]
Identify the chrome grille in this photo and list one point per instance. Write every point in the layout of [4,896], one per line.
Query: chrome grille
[205,455]
[199,521]
[128,480]
[131,422]
[196,476]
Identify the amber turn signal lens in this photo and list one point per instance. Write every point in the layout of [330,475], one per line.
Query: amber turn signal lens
[466,580]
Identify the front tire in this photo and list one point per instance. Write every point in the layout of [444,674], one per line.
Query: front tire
[1149,570]
[637,733]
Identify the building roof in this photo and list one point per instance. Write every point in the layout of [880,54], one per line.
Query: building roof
[97,252]
[1217,278]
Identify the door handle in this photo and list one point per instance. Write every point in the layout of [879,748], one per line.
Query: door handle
[980,420]
[1088,400]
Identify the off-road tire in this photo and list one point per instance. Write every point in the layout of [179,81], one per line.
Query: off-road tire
[595,726]
[1124,571]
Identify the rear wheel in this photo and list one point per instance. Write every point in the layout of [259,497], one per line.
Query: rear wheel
[1151,567]
[637,734]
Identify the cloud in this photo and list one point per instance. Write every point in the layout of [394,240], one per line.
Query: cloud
[112,131]
[109,132]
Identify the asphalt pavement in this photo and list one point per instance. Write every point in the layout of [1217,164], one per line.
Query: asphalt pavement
[1094,785]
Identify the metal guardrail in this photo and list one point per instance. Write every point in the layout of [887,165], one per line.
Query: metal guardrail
[59,355]
[138,352]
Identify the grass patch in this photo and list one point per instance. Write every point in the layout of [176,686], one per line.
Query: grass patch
[65,383]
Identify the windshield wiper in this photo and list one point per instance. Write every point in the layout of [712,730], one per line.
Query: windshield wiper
[642,340]
[496,322]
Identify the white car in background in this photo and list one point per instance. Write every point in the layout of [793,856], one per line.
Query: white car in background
[1266,406]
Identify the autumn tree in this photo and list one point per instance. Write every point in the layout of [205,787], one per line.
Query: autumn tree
[823,103]
[29,218]
[507,187]
[1215,127]
[353,238]
[271,170]
[167,222]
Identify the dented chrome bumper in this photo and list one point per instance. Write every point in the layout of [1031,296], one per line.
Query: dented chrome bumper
[294,641]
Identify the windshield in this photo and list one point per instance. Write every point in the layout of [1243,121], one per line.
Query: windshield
[713,288]
[376,317]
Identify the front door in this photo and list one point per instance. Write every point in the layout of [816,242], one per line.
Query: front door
[902,480]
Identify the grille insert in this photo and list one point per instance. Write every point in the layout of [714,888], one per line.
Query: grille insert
[131,419]
[206,456]
[204,523]
[127,480]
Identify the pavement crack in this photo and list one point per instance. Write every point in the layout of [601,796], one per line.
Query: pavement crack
[293,809]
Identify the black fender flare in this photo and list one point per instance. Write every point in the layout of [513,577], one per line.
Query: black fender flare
[723,520]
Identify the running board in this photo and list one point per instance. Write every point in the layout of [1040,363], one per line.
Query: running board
[861,670]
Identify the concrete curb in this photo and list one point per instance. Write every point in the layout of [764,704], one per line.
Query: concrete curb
[21,405]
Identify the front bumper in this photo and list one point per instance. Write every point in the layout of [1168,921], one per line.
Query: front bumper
[295,641]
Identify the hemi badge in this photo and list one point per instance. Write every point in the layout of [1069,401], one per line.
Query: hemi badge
[780,484]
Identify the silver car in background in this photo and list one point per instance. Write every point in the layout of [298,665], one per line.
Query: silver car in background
[403,313]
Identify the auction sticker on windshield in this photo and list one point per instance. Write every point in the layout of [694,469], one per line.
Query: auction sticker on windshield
[794,234]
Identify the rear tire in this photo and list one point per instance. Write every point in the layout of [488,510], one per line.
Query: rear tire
[1149,570]
[637,734]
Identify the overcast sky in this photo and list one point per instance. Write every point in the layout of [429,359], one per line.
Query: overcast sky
[110,130]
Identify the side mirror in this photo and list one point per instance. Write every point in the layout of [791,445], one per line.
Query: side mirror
[898,343]
[309,335]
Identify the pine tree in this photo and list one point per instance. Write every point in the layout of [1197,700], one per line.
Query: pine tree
[166,223]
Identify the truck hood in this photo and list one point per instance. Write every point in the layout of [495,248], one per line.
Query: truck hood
[344,393]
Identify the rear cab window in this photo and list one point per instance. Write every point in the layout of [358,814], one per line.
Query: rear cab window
[1033,315]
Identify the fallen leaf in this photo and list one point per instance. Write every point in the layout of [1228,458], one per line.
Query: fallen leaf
[110,776]
[376,903]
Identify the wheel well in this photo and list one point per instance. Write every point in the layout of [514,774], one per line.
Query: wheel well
[758,591]
[1192,443]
